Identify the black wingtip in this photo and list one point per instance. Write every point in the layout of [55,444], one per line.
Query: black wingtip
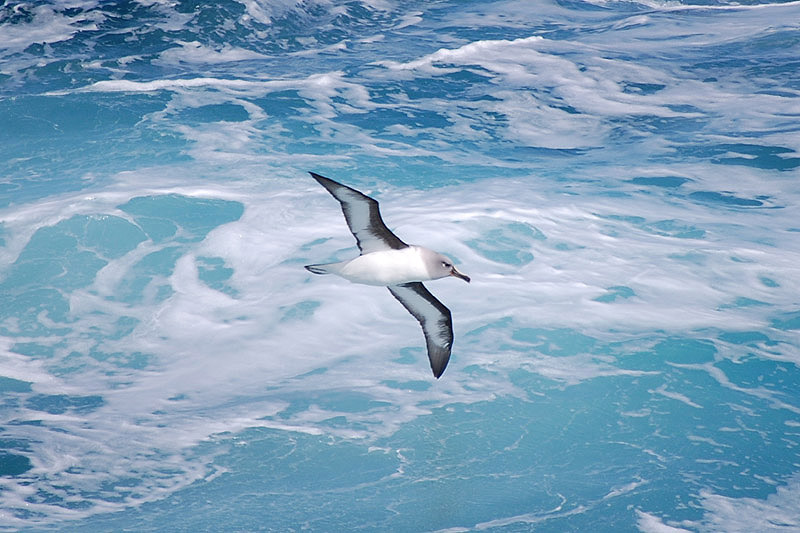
[438,366]
[328,183]
[319,177]
[316,176]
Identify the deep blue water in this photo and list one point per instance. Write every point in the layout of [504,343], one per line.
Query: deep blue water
[620,180]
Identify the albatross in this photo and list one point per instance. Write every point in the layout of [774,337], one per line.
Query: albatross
[387,261]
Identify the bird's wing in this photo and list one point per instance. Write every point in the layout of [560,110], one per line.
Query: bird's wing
[433,316]
[363,218]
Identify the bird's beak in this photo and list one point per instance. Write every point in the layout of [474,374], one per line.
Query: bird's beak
[457,274]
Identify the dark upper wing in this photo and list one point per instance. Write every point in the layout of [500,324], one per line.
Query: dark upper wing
[363,217]
[434,318]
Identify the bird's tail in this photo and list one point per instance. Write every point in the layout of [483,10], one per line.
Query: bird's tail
[326,268]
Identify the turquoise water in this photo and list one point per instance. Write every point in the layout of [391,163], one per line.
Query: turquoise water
[619,179]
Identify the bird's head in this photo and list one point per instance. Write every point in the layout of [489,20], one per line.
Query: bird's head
[444,267]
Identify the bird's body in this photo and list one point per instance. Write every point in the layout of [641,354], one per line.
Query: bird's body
[384,268]
[387,261]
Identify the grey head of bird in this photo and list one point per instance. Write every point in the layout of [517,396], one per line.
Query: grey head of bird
[441,266]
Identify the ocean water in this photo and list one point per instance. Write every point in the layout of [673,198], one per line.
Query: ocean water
[620,179]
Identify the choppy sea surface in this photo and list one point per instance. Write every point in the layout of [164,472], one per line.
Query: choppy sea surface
[620,179]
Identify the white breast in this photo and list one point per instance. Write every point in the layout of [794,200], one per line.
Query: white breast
[387,267]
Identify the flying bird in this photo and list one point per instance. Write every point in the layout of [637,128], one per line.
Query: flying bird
[387,261]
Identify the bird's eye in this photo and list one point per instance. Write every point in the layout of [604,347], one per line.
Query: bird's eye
[446,264]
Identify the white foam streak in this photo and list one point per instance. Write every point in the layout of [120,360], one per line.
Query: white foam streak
[649,523]
[321,87]
[158,85]
[674,6]
[676,396]
[196,52]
